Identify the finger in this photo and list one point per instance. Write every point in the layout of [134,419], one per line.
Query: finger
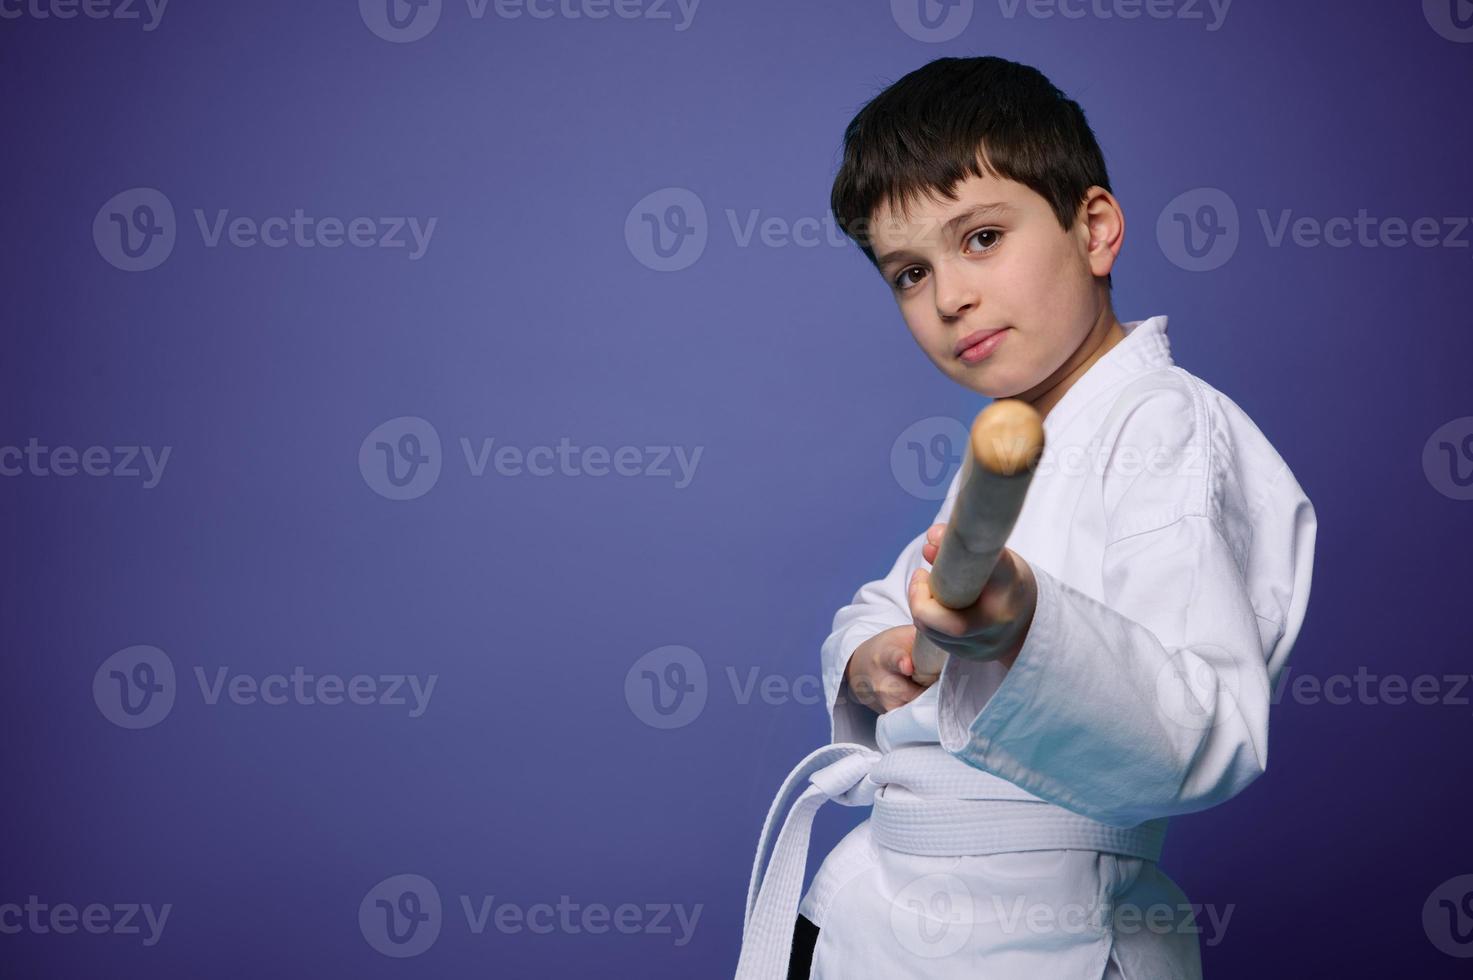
[864,692]
[929,613]
[899,693]
[1003,597]
[905,641]
[896,657]
[932,545]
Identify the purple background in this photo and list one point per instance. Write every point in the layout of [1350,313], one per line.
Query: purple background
[529,318]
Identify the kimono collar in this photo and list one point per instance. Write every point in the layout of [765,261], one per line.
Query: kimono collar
[1144,348]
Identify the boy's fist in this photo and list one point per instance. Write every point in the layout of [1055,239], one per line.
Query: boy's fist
[992,628]
[880,668]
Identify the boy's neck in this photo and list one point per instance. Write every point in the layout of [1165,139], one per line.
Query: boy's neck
[1105,334]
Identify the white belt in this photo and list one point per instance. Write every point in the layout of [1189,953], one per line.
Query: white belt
[855,775]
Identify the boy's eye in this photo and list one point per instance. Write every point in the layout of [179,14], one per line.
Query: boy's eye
[903,280]
[996,235]
[903,283]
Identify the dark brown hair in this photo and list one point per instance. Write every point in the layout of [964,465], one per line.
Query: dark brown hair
[960,117]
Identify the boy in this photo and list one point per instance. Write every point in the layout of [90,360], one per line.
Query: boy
[1116,669]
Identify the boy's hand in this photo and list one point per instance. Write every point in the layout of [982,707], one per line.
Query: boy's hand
[880,668]
[995,626]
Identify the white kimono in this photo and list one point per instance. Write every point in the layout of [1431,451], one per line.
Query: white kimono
[1019,813]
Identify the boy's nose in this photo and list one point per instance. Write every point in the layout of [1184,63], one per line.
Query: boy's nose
[955,295]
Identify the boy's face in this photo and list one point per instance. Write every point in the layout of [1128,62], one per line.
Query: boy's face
[960,271]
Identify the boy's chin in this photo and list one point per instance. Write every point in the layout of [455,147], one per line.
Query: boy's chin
[991,383]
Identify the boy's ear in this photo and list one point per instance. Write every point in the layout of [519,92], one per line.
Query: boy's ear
[1102,229]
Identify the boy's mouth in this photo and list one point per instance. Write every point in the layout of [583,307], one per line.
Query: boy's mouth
[978,345]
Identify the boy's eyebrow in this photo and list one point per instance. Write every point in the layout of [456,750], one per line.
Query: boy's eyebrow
[991,208]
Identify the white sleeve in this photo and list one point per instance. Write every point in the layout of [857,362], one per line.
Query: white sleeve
[877,606]
[1154,701]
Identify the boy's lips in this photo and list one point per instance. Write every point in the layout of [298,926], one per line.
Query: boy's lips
[979,344]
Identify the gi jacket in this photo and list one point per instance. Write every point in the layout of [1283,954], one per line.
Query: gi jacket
[1172,548]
